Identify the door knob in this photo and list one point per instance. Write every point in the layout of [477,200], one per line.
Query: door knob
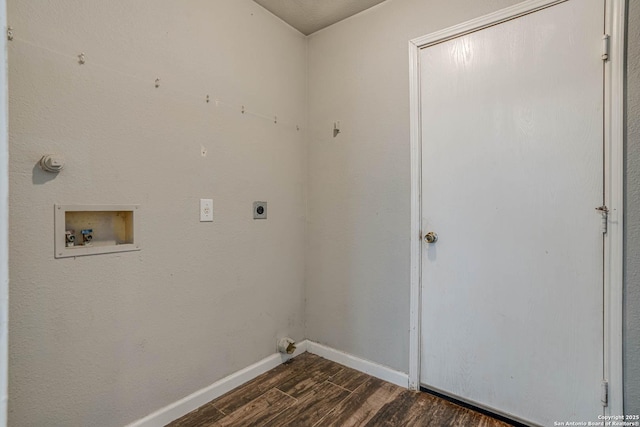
[431,237]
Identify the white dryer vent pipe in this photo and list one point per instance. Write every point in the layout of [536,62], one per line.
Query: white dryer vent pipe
[286,345]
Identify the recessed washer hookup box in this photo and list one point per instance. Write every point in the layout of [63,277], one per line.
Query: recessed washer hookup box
[95,229]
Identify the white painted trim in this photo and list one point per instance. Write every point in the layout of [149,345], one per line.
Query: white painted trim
[416,214]
[614,177]
[482,22]
[614,199]
[371,368]
[183,406]
[4,216]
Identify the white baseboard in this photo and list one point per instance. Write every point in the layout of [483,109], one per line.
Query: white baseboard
[183,406]
[374,369]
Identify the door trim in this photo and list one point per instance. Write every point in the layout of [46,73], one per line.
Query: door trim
[614,178]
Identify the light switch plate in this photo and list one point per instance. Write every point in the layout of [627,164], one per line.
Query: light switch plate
[259,210]
[206,210]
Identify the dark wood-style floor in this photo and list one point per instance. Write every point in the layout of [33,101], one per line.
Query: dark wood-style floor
[312,391]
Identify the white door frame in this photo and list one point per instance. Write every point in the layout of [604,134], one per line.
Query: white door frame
[614,131]
[4,215]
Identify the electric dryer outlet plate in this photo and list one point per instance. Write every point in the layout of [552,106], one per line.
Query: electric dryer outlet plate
[259,210]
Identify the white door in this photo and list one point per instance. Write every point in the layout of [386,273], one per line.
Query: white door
[512,171]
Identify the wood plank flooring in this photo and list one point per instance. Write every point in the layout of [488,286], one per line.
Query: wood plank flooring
[310,391]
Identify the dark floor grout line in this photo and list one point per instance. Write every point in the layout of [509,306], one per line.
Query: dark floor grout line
[257,397]
[337,385]
[283,409]
[252,400]
[360,386]
[286,394]
[219,410]
[341,369]
[337,404]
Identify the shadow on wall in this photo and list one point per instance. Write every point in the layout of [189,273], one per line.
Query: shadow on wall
[39,177]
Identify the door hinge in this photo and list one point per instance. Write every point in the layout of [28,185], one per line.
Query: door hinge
[604,398]
[604,211]
[9,33]
[605,47]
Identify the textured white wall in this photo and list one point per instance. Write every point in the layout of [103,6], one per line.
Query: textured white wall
[105,340]
[4,223]
[359,182]
[631,331]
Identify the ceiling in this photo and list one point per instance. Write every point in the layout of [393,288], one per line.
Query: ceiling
[309,16]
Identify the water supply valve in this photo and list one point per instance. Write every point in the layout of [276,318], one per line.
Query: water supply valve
[87,236]
[70,238]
